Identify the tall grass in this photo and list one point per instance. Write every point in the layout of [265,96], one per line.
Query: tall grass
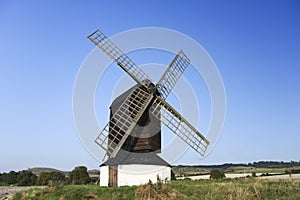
[244,188]
[239,189]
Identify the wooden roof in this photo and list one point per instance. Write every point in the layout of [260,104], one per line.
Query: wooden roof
[124,157]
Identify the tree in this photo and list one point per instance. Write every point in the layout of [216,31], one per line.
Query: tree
[57,177]
[26,178]
[79,175]
[2,178]
[43,178]
[12,177]
[9,178]
[50,178]
[216,174]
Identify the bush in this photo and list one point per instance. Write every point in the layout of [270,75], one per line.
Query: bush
[79,176]
[26,178]
[173,177]
[216,174]
[9,178]
[50,178]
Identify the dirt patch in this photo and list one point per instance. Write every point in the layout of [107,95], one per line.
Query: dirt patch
[8,192]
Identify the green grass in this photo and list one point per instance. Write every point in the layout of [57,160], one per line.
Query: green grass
[239,189]
[78,192]
[249,188]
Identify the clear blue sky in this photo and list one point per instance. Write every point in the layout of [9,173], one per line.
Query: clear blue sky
[255,44]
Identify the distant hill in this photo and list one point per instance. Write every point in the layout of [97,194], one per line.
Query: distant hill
[38,170]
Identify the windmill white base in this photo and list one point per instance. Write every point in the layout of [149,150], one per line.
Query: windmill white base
[136,169]
[134,174]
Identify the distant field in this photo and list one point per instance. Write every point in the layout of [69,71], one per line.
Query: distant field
[272,171]
[194,170]
[243,188]
[245,175]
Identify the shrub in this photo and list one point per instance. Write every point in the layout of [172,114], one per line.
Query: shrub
[216,174]
[79,176]
[50,178]
[9,178]
[26,178]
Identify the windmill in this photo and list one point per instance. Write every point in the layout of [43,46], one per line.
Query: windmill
[136,116]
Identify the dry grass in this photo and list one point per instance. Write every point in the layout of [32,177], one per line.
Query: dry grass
[228,189]
[149,192]
[245,189]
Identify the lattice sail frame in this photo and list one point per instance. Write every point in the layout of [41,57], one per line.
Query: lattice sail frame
[177,124]
[130,111]
[115,133]
[104,43]
[172,74]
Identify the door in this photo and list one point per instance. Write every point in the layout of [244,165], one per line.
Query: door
[113,176]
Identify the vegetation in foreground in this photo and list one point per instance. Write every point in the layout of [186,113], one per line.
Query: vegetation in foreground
[243,188]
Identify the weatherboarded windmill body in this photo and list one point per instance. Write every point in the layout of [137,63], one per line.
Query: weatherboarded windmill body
[132,137]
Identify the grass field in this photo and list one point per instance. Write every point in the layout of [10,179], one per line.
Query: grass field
[246,188]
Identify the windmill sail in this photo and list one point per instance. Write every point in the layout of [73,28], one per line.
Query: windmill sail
[115,133]
[104,43]
[172,74]
[177,124]
[123,121]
